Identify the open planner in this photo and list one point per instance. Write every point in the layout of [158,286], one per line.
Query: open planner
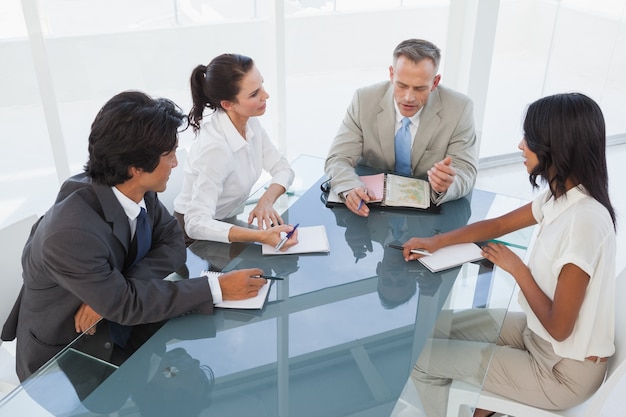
[390,190]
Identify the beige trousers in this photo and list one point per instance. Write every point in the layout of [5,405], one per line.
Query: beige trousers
[522,366]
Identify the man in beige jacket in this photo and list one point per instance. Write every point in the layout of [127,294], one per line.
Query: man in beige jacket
[443,145]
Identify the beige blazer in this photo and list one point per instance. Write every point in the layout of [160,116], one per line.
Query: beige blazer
[366,136]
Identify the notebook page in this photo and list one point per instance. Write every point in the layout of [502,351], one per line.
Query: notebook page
[311,239]
[451,256]
[254,303]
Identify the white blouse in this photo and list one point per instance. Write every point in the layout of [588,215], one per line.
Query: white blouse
[576,229]
[219,173]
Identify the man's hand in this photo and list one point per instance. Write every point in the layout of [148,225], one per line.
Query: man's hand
[356,201]
[239,284]
[84,318]
[441,175]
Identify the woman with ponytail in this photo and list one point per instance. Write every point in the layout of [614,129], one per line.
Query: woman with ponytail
[227,157]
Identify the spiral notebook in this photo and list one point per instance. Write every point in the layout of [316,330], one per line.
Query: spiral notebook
[253,303]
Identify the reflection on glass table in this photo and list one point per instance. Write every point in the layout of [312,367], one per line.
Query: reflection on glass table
[338,337]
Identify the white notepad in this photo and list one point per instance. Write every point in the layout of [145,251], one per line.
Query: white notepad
[254,303]
[451,256]
[311,239]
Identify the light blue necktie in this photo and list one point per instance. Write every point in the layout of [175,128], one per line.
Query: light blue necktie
[403,148]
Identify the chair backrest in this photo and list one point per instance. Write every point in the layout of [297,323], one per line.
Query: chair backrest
[620,324]
[12,240]
[616,368]
[175,183]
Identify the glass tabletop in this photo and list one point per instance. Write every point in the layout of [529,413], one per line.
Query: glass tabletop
[338,337]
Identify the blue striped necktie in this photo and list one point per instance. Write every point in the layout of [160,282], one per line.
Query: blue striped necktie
[403,148]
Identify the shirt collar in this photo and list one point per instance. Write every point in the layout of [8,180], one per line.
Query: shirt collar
[131,208]
[414,119]
[233,137]
[555,207]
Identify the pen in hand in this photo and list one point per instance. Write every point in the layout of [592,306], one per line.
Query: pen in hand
[416,251]
[361,202]
[287,236]
[267,277]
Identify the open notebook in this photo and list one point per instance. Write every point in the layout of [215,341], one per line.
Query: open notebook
[254,303]
[311,239]
[451,256]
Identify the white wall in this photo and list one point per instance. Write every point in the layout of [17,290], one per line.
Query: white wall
[541,47]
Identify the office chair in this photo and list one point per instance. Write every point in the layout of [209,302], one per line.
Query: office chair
[462,395]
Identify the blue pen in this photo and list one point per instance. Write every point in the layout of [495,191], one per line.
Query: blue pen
[360,205]
[283,240]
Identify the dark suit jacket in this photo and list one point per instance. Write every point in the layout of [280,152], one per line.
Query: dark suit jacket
[78,252]
[366,137]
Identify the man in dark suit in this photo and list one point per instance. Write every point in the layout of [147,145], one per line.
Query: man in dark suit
[84,258]
[440,143]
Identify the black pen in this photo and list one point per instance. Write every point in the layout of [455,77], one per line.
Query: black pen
[267,277]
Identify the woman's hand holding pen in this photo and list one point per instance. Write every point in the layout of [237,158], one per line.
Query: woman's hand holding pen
[428,244]
[356,200]
[274,235]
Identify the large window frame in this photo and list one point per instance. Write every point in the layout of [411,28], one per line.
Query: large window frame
[313,54]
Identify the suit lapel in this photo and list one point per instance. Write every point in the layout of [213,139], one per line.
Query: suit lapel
[386,120]
[114,214]
[428,124]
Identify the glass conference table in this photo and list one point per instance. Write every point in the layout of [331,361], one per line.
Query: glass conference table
[338,337]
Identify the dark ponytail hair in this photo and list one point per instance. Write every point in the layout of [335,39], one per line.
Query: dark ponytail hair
[568,135]
[220,80]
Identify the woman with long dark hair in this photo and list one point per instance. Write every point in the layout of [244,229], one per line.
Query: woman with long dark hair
[552,354]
